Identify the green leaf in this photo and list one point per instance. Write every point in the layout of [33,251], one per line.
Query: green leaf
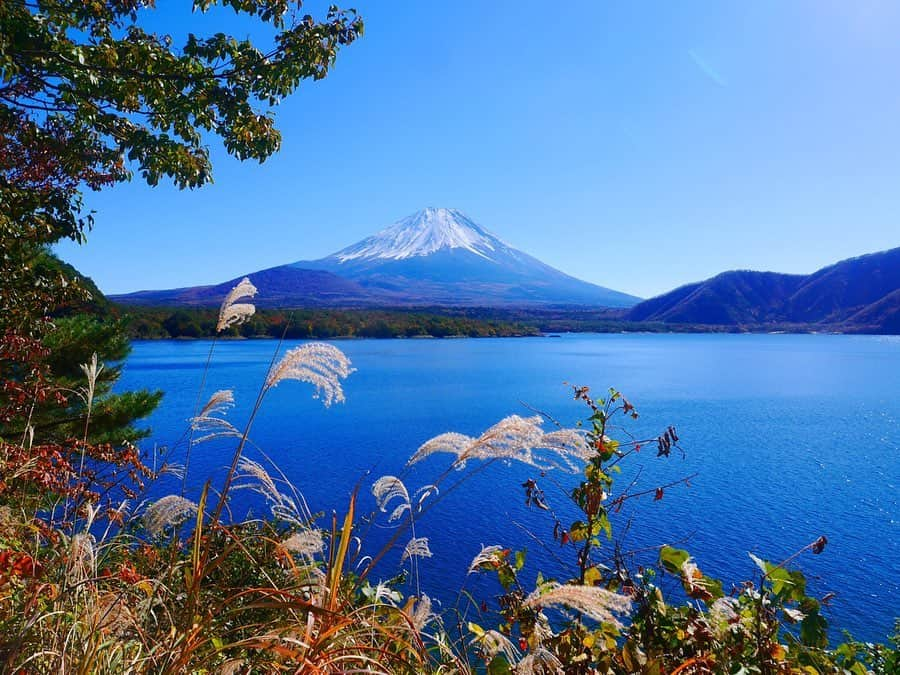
[813,630]
[781,580]
[520,559]
[713,587]
[578,531]
[506,576]
[498,666]
[672,559]
[603,525]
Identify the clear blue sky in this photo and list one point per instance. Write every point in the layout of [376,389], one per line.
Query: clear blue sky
[635,145]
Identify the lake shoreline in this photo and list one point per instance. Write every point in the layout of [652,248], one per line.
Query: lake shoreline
[438,322]
[549,334]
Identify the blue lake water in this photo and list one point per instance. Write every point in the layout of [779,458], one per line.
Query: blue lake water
[792,437]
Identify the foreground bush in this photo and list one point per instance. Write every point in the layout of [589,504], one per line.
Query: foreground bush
[93,579]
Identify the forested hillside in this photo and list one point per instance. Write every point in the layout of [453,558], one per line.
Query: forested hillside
[155,323]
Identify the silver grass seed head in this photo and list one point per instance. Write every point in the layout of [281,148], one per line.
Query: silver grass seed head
[282,506]
[418,547]
[540,662]
[169,511]
[422,613]
[423,493]
[494,642]
[593,601]
[489,555]
[513,438]
[212,428]
[319,364]
[218,403]
[306,543]
[82,558]
[383,593]
[388,488]
[91,371]
[569,441]
[264,484]
[111,616]
[543,631]
[232,312]
[211,418]
[450,442]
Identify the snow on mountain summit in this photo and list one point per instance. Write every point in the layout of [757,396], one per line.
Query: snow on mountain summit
[423,233]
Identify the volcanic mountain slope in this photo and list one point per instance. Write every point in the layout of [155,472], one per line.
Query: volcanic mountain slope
[279,287]
[442,256]
[433,257]
[858,293]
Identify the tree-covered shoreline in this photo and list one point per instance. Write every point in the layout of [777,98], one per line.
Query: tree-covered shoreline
[162,323]
[180,323]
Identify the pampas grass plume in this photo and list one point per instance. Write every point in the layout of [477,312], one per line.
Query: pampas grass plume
[418,547]
[167,512]
[232,312]
[593,601]
[512,438]
[321,365]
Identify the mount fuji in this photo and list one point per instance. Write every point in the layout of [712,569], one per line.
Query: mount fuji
[435,257]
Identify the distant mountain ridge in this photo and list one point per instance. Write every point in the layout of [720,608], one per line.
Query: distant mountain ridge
[435,257]
[861,293]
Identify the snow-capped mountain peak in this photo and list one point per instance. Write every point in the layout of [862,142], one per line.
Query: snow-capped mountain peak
[423,233]
[435,257]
